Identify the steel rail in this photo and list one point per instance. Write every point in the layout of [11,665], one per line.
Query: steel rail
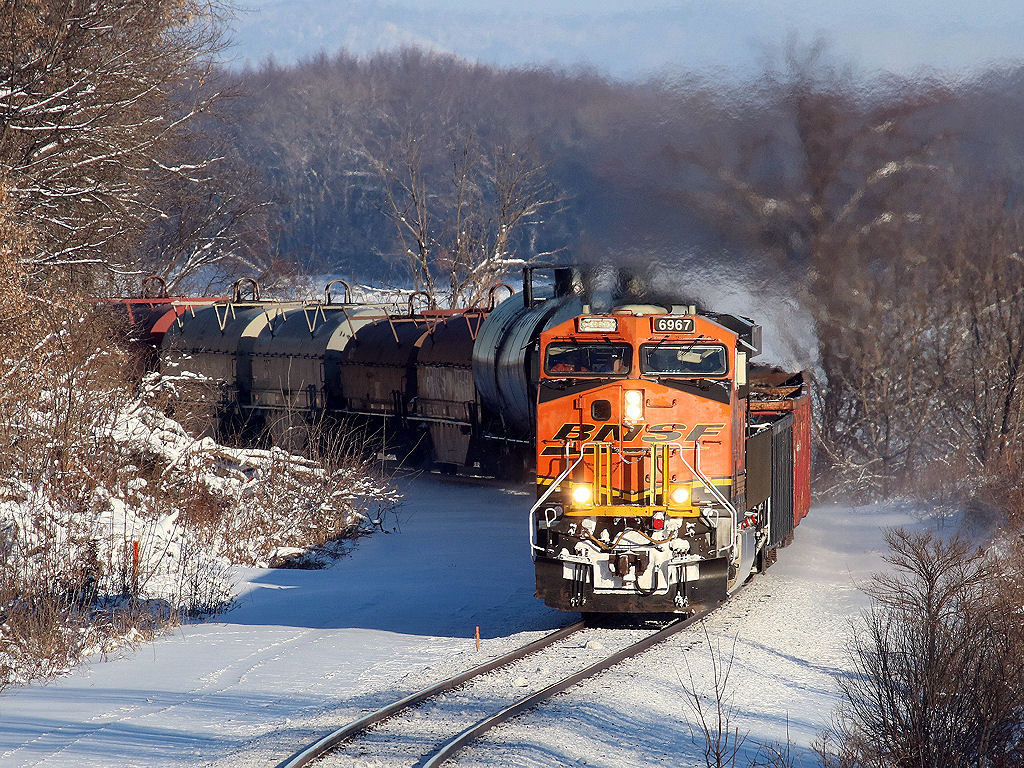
[325,744]
[449,748]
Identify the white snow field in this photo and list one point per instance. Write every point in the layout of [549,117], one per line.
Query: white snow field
[303,652]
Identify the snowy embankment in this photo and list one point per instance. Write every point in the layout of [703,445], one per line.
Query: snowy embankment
[305,651]
[142,523]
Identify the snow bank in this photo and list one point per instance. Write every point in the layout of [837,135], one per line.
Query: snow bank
[139,523]
[269,501]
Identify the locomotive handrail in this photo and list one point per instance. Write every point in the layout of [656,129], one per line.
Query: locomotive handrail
[551,489]
[695,469]
[348,291]
[714,492]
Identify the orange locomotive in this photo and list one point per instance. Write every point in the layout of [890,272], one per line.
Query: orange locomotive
[667,466]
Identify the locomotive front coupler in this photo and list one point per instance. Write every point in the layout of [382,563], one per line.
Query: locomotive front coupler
[620,563]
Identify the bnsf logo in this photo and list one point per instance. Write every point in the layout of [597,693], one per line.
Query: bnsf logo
[648,433]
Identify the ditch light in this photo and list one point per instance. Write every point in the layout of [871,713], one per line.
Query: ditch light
[582,495]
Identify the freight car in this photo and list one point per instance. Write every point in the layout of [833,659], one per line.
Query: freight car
[400,375]
[667,464]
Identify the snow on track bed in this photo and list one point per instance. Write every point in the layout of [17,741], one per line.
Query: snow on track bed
[789,629]
[566,717]
[405,738]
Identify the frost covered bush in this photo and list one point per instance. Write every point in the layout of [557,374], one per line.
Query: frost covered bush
[117,520]
[85,561]
[251,503]
[938,675]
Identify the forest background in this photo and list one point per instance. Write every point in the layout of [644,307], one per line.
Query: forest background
[887,209]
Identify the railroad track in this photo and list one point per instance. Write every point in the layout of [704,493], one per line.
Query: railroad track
[443,751]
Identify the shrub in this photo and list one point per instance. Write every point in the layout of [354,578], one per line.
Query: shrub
[939,679]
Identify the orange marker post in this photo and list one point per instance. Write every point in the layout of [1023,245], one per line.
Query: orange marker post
[135,568]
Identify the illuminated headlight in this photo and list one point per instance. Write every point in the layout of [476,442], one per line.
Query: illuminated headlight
[634,410]
[582,494]
[679,496]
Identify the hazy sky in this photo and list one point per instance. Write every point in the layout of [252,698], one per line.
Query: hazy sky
[641,37]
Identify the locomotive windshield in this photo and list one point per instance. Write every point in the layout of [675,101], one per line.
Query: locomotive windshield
[684,359]
[588,359]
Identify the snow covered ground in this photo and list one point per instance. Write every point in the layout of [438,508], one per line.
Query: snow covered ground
[306,651]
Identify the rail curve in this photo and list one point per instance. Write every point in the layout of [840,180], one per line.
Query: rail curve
[448,749]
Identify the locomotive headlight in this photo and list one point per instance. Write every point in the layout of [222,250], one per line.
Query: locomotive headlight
[582,494]
[679,496]
[634,410]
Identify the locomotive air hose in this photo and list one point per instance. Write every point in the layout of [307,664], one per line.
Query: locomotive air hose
[610,547]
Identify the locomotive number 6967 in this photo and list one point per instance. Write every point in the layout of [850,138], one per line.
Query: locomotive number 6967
[672,325]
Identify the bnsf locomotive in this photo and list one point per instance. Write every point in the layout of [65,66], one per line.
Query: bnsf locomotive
[666,468]
[667,465]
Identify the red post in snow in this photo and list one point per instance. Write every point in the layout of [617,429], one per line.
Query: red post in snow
[135,569]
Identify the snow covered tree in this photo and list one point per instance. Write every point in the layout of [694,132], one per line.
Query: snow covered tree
[96,104]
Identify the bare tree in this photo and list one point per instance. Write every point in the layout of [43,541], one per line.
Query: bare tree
[837,189]
[713,727]
[457,224]
[938,680]
[211,223]
[96,100]
[985,299]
